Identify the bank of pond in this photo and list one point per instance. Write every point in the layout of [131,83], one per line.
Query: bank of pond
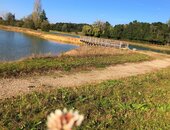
[15,46]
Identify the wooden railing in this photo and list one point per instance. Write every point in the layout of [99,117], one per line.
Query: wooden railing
[91,41]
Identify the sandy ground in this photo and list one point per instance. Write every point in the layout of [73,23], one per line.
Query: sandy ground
[14,87]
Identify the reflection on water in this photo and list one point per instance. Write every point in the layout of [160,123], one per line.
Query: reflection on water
[14,46]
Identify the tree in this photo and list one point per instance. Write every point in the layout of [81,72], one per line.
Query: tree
[102,29]
[87,30]
[36,13]
[2,21]
[29,23]
[71,27]
[64,28]
[168,23]
[107,30]
[118,31]
[43,16]
[96,32]
[9,18]
[99,24]
[45,26]
[19,23]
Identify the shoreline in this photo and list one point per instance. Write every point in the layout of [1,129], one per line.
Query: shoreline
[71,40]
[44,35]
[151,46]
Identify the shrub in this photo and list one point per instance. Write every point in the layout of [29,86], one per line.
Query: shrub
[45,26]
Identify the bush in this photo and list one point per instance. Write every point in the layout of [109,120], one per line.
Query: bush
[19,23]
[28,23]
[87,30]
[45,26]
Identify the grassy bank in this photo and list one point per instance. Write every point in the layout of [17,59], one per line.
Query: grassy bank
[66,63]
[44,35]
[134,103]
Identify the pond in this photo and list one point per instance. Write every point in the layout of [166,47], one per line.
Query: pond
[15,46]
[137,47]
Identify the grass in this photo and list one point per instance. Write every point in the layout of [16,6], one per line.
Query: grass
[135,103]
[66,63]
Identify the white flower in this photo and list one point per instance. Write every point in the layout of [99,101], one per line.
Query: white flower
[65,120]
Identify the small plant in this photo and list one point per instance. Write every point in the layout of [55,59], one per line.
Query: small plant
[64,120]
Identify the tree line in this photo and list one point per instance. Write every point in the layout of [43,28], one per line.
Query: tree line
[43,24]
[67,27]
[157,33]
[36,20]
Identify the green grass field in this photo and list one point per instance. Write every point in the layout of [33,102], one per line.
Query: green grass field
[66,63]
[134,103]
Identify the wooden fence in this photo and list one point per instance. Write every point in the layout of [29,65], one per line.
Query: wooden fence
[91,41]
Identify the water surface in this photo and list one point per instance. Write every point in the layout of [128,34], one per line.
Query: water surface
[148,49]
[65,35]
[15,46]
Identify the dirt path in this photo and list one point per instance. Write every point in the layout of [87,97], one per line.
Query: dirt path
[14,87]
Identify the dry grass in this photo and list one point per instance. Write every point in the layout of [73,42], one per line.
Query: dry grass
[90,50]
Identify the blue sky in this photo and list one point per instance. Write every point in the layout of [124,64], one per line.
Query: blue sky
[88,11]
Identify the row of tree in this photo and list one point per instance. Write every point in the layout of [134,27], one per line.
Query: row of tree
[67,27]
[41,23]
[98,29]
[158,33]
[36,20]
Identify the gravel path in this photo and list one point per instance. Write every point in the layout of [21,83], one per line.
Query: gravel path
[14,87]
